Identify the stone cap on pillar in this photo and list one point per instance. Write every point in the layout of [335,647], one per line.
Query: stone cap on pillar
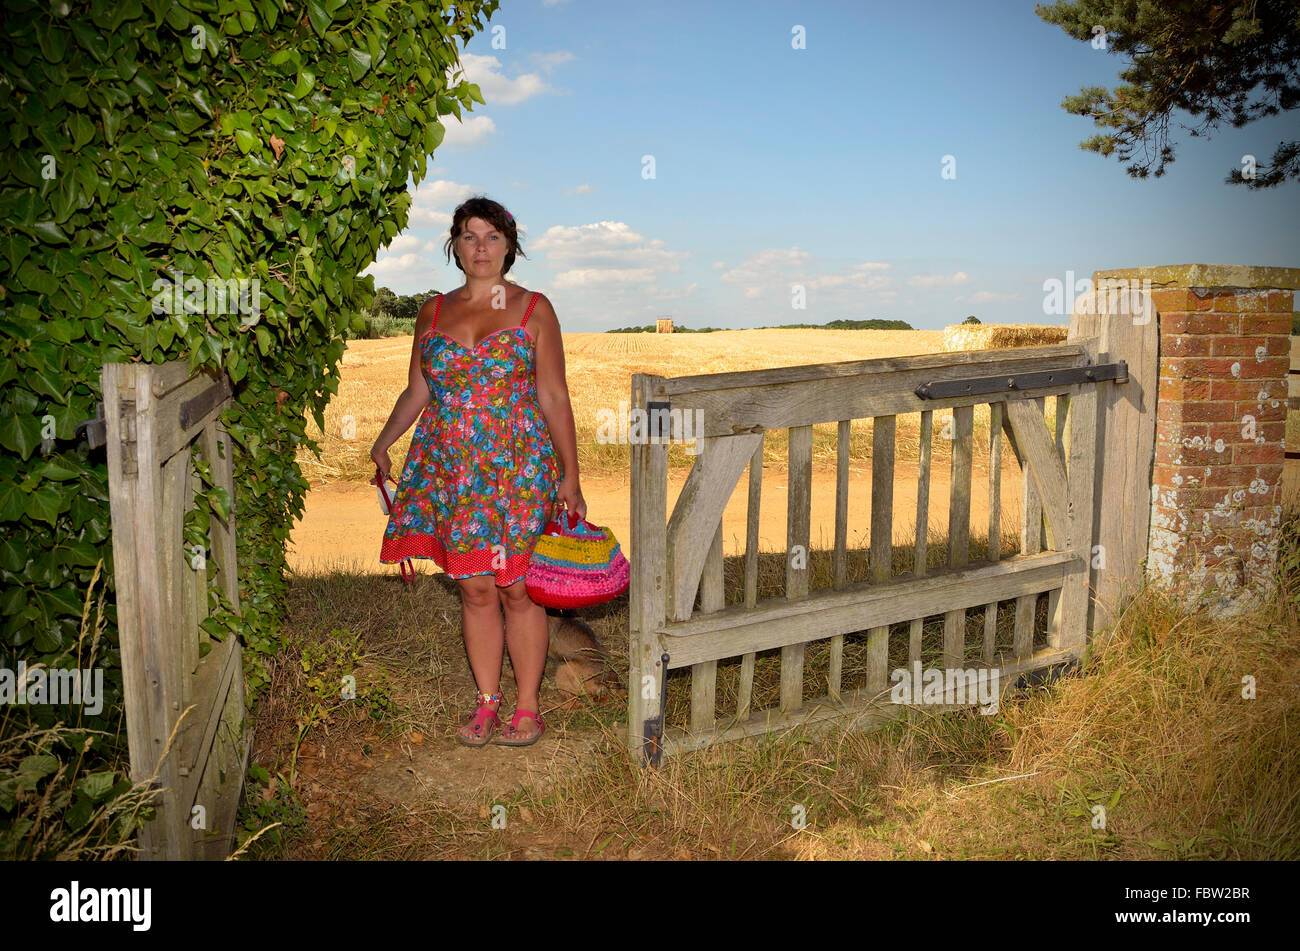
[1208,275]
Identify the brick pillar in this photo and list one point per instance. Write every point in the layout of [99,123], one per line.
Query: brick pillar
[1220,427]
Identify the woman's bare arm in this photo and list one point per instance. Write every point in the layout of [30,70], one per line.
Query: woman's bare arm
[415,397]
[552,388]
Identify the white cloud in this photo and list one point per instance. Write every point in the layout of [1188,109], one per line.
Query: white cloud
[497,89]
[774,270]
[986,297]
[549,61]
[604,252]
[401,270]
[472,130]
[583,189]
[432,202]
[591,277]
[935,280]
[407,243]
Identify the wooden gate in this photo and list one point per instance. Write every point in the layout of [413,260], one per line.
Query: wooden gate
[677,556]
[186,726]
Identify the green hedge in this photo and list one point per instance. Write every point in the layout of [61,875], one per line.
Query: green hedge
[155,142]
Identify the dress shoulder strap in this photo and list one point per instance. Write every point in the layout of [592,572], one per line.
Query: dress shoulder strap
[436,308]
[531,304]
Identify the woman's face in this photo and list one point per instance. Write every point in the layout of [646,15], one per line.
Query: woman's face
[481,248]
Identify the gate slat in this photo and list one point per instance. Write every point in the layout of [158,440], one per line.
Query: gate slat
[1023,638]
[647,600]
[798,534]
[1059,441]
[1045,467]
[995,523]
[746,689]
[704,676]
[1082,456]
[922,526]
[954,622]
[882,533]
[708,487]
[834,676]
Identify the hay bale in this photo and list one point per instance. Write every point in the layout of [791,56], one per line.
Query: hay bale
[999,336]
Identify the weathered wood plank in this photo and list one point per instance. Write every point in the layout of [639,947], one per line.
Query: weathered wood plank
[218,450]
[839,559]
[1081,453]
[932,366]
[699,507]
[647,590]
[858,710]
[798,538]
[919,553]
[1022,644]
[169,435]
[829,396]
[1062,413]
[995,523]
[751,523]
[954,621]
[151,660]
[704,676]
[1125,451]
[1045,467]
[777,622]
[883,431]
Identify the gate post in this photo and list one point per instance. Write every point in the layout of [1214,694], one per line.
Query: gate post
[1215,504]
[647,602]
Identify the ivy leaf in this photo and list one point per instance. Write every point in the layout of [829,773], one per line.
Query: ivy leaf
[20,433]
[50,232]
[245,140]
[320,20]
[43,504]
[200,99]
[220,500]
[358,63]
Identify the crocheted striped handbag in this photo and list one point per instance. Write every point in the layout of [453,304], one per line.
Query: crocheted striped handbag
[573,567]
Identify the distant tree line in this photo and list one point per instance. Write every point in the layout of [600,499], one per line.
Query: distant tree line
[391,314]
[873,323]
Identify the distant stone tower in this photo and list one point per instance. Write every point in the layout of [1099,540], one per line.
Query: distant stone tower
[665,325]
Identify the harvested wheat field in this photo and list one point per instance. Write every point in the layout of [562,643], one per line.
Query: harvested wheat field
[342,524]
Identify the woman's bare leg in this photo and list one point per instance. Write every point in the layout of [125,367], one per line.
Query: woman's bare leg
[526,637]
[484,636]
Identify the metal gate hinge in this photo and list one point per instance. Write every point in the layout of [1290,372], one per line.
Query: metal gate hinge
[659,418]
[977,386]
[96,430]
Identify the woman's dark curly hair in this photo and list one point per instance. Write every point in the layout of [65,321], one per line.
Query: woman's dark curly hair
[496,215]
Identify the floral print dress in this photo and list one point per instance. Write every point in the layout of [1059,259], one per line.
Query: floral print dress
[481,475]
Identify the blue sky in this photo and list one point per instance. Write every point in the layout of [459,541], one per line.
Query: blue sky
[819,167]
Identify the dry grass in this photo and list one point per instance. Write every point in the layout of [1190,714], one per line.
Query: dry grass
[1156,731]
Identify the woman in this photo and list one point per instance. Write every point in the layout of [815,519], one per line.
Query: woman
[482,476]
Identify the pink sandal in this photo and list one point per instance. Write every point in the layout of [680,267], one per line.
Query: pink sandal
[513,728]
[484,723]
